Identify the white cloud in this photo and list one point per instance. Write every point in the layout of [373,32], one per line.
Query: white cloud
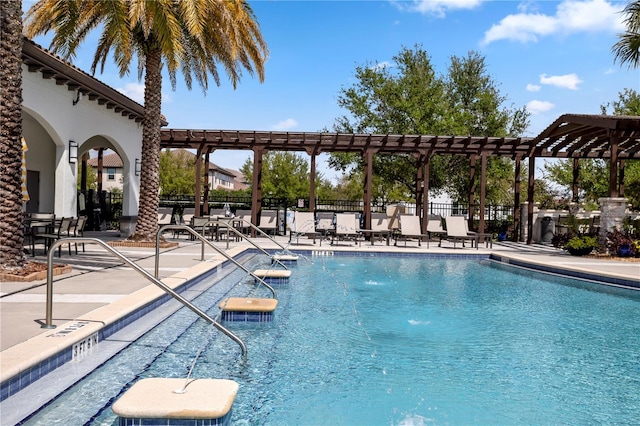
[381,65]
[572,16]
[133,90]
[537,107]
[436,7]
[533,88]
[610,71]
[285,125]
[567,81]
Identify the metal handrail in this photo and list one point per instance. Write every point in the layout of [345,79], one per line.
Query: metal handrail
[261,232]
[249,240]
[213,246]
[141,271]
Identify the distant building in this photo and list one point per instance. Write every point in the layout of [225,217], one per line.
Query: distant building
[219,178]
[111,171]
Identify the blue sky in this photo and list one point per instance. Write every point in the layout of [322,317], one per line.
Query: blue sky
[553,56]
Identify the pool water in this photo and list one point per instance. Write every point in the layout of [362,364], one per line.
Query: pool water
[399,341]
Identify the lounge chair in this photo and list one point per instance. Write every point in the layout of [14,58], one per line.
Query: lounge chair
[244,219]
[347,225]
[410,229]
[165,215]
[379,228]
[434,228]
[269,221]
[304,223]
[457,231]
[326,224]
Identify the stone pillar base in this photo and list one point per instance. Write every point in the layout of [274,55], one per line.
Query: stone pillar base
[612,211]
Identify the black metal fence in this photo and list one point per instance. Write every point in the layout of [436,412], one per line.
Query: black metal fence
[104,210]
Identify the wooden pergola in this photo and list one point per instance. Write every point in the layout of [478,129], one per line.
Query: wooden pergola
[570,136]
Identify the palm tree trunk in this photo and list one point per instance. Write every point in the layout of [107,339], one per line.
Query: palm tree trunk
[147,223]
[11,215]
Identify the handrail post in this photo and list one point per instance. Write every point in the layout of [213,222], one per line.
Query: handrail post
[216,248]
[250,241]
[141,271]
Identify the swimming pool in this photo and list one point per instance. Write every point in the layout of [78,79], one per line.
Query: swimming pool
[413,340]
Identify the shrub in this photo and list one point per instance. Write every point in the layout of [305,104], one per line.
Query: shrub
[617,239]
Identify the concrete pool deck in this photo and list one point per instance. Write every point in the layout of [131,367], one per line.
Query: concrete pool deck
[100,288]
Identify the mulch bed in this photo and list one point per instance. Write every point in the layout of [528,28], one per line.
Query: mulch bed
[614,258]
[32,271]
[146,244]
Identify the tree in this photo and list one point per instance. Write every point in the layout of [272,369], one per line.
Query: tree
[284,175]
[628,103]
[177,172]
[627,48]
[593,178]
[411,98]
[11,221]
[189,35]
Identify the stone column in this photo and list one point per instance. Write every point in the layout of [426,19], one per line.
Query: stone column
[612,211]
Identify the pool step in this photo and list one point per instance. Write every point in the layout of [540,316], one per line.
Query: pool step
[273,276]
[285,258]
[248,309]
[161,401]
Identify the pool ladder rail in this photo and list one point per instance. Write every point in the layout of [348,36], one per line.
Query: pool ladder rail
[49,302]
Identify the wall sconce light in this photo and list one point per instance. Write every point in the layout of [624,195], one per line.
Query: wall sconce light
[78,97]
[138,167]
[73,152]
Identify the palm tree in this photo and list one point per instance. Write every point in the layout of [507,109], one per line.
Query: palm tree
[191,35]
[627,49]
[11,216]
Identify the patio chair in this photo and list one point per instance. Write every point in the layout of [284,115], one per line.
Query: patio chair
[198,225]
[457,230]
[304,224]
[347,225]
[410,229]
[269,221]
[76,230]
[61,230]
[38,224]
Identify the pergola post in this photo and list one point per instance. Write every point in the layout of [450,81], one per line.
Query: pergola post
[613,168]
[256,190]
[425,193]
[312,183]
[205,198]
[198,191]
[621,179]
[576,177]
[516,198]
[483,188]
[530,192]
[472,189]
[368,176]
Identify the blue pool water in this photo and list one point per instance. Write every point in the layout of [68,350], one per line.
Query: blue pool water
[399,341]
